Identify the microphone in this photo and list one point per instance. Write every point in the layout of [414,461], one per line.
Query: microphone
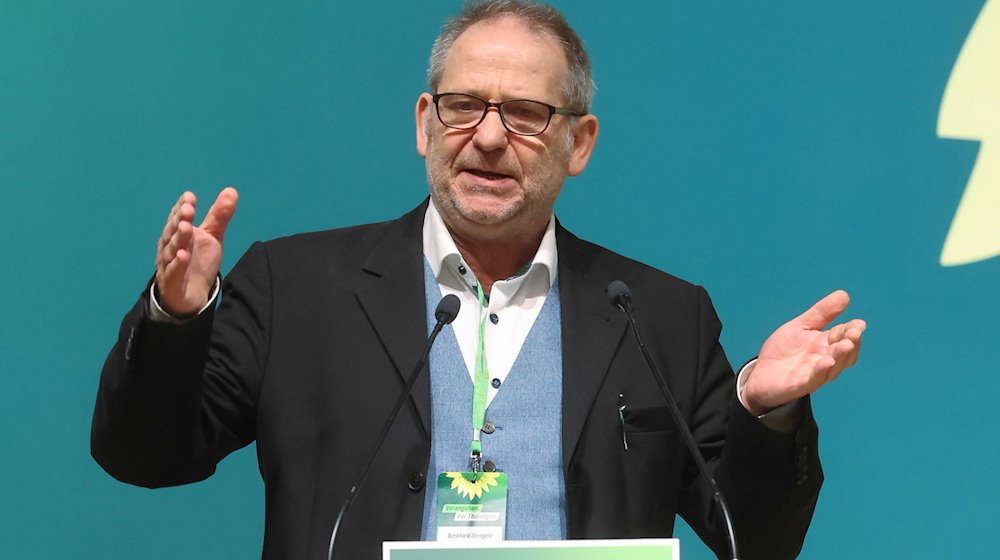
[621,297]
[445,313]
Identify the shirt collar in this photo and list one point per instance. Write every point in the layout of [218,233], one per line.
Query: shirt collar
[443,255]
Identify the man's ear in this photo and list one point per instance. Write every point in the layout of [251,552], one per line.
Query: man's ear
[584,139]
[421,114]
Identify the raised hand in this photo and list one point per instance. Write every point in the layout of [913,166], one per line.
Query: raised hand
[800,357]
[188,257]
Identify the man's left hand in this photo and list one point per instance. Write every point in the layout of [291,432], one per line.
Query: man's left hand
[800,357]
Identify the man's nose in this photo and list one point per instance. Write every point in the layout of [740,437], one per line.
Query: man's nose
[491,133]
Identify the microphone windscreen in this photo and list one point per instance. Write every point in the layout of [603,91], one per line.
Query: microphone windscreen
[447,310]
[619,294]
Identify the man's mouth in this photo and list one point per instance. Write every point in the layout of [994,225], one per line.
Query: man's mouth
[490,175]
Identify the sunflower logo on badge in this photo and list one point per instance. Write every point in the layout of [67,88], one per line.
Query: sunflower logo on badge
[472,485]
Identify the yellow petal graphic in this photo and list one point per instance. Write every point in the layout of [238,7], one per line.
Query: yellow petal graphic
[970,110]
[472,489]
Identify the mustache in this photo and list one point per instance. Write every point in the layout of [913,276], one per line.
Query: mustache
[498,168]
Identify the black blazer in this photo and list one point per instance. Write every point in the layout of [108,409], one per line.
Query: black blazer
[309,348]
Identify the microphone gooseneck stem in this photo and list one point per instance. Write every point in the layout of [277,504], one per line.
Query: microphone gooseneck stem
[623,301]
[446,311]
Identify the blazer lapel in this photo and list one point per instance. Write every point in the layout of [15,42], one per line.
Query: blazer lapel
[394,301]
[591,332]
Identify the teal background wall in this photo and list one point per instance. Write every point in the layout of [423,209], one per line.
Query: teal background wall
[771,151]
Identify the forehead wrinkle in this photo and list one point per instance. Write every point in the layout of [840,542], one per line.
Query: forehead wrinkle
[488,75]
[495,60]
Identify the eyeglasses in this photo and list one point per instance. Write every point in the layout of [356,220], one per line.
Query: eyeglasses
[520,116]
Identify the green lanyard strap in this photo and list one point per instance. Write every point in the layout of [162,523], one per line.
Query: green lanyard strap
[480,382]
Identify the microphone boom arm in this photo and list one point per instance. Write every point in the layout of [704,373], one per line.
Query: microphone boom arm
[621,297]
[445,313]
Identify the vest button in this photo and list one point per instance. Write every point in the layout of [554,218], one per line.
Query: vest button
[416,482]
[489,466]
[488,427]
[495,383]
[494,318]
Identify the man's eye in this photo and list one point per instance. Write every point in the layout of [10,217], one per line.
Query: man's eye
[465,106]
[525,113]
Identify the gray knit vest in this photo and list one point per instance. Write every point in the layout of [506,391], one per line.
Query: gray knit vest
[526,443]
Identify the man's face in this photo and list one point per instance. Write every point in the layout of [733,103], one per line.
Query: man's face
[488,182]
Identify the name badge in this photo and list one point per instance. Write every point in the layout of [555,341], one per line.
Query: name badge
[472,507]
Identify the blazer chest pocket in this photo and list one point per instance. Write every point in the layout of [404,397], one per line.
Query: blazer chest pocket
[648,419]
[651,459]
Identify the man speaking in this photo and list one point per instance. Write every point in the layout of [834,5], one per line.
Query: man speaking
[538,377]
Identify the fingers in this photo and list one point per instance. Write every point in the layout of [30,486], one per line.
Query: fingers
[179,246]
[824,311]
[835,354]
[220,213]
[800,358]
[820,368]
[850,330]
[852,356]
[188,258]
[176,256]
[845,346]
[182,213]
[855,328]
[846,338]
[173,258]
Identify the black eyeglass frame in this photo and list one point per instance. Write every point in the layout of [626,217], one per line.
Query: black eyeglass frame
[486,107]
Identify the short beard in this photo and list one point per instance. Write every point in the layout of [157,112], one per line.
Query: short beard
[439,180]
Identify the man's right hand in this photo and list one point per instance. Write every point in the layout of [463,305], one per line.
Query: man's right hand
[188,257]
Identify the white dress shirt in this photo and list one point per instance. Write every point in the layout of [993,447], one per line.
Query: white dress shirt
[513,303]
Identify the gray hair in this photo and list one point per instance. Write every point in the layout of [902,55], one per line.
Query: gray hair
[578,88]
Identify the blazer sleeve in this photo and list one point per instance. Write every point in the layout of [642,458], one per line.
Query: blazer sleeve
[173,400]
[770,480]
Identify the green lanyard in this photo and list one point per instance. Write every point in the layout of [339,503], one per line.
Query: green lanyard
[479,384]
[481,378]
